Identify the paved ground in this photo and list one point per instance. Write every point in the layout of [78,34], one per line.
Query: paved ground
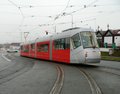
[20,75]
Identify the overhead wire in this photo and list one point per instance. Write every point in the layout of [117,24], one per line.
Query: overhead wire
[22,21]
[64,13]
[13,3]
[19,8]
[67,22]
[34,6]
[84,7]
[62,10]
[67,5]
[41,25]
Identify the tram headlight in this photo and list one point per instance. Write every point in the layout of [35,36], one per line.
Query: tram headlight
[99,53]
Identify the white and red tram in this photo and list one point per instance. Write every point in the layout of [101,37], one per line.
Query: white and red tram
[74,45]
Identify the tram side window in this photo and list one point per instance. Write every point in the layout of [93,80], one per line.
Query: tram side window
[43,48]
[56,44]
[32,46]
[76,40]
[63,43]
[67,43]
[26,48]
[21,48]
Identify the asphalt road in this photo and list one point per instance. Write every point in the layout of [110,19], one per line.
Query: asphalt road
[20,75]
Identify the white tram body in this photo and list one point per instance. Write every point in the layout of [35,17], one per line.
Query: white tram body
[74,45]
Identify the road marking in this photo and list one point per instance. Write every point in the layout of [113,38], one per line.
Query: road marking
[6,58]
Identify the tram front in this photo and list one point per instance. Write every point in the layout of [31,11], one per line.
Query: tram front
[90,46]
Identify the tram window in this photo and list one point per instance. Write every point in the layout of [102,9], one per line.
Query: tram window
[32,46]
[57,44]
[89,39]
[42,48]
[63,43]
[26,48]
[21,47]
[67,43]
[76,40]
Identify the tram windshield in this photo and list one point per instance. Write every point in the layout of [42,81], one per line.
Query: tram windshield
[89,40]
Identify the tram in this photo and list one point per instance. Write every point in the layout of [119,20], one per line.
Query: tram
[73,46]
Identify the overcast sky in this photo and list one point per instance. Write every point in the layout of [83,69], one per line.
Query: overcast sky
[38,16]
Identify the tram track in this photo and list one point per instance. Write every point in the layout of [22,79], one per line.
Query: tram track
[59,81]
[95,89]
[110,71]
[109,68]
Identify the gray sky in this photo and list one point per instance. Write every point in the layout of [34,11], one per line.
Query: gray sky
[37,16]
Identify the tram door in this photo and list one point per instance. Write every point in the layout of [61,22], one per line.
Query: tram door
[77,52]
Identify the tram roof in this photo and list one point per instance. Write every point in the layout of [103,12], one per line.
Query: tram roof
[65,33]
[80,28]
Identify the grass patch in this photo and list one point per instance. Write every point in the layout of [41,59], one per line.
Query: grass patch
[116,52]
[114,57]
[110,58]
[104,53]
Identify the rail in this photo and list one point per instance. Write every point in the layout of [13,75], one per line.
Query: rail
[93,85]
[59,81]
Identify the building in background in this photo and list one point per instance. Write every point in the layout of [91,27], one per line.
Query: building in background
[109,38]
